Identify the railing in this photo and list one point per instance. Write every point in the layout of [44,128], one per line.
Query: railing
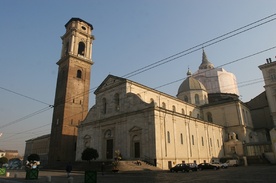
[149,161]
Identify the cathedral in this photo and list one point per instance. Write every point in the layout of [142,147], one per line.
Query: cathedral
[143,123]
[204,122]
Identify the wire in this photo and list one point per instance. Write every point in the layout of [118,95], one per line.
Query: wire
[193,49]
[9,137]
[153,65]
[25,117]
[8,90]
[231,62]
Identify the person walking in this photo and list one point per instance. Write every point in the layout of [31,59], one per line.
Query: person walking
[102,168]
[68,169]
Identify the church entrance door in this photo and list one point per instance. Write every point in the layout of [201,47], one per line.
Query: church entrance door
[109,149]
[137,149]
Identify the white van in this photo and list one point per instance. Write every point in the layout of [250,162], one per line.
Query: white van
[232,162]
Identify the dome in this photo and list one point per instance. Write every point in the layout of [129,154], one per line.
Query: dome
[189,84]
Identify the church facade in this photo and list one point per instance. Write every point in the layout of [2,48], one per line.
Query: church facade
[146,124]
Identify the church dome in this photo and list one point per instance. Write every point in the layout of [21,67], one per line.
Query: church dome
[189,84]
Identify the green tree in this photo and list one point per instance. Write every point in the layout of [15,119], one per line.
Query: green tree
[89,154]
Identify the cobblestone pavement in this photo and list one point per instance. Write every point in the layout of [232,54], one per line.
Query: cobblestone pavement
[250,174]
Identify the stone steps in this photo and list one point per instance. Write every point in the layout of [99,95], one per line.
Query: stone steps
[133,166]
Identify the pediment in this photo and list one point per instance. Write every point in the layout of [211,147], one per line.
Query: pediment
[135,128]
[109,82]
[87,137]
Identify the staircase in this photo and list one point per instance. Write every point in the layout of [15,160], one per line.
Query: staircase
[133,166]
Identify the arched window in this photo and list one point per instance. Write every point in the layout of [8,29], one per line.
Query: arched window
[173,108]
[198,116]
[205,99]
[185,98]
[79,74]
[182,110]
[117,102]
[163,105]
[209,117]
[104,105]
[196,99]
[81,48]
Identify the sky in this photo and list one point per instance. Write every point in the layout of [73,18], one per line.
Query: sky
[130,34]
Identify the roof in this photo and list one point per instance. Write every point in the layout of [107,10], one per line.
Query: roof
[190,83]
[78,19]
[40,137]
[120,79]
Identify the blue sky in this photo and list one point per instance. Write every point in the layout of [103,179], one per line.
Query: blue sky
[130,34]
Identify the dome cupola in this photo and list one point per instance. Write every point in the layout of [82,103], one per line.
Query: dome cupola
[193,91]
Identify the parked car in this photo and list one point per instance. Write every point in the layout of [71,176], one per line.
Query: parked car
[193,166]
[232,162]
[180,167]
[221,165]
[204,166]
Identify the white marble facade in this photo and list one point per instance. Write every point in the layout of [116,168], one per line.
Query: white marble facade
[143,123]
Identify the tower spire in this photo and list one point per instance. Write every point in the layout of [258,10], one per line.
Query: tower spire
[205,64]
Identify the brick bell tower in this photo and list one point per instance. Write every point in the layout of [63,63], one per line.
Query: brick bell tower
[72,89]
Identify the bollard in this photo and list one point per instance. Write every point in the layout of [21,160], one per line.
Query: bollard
[245,161]
[8,174]
[49,178]
[15,175]
[70,180]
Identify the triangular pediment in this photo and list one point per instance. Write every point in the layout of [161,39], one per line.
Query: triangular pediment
[135,128]
[109,82]
[87,137]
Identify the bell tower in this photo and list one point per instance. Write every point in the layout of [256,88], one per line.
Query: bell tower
[72,89]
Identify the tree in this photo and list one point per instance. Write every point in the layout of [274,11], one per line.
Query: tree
[3,160]
[33,157]
[89,154]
